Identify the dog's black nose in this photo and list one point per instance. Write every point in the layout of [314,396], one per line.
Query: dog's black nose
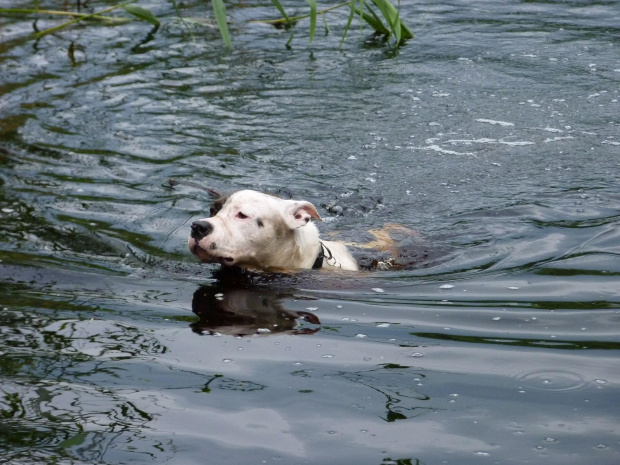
[201,229]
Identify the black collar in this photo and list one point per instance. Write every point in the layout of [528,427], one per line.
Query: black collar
[318,263]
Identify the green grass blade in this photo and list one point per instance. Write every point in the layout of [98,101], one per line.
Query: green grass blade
[312,4]
[81,18]
[141,13]
[189,29]
[297,18]
[397,29]
[405,32]
[219,9]
[374,22]
[72,14]
[278,5]
[359,10]
[376,17]
[346,29]
[392,17]
[389,13]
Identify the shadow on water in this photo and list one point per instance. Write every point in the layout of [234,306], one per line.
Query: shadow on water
[244,312]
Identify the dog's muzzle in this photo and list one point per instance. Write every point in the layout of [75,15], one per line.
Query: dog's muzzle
[201,229]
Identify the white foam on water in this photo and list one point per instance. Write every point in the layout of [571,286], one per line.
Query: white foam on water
[494,122]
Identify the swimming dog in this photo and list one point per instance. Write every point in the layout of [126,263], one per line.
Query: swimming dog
[254,230]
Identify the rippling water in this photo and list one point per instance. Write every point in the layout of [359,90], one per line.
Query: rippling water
[494,134]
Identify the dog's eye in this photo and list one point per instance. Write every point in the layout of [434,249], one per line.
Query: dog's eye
[241,216]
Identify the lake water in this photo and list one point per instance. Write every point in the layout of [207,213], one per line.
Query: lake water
[495,134]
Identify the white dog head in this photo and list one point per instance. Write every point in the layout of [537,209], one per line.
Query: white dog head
[256,230]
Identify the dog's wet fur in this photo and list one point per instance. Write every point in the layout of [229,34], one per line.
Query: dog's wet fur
[259,231]
[254,230]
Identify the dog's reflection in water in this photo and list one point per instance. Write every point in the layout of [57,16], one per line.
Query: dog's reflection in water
[241,312]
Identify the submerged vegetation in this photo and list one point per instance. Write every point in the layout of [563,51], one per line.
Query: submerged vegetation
[381,15]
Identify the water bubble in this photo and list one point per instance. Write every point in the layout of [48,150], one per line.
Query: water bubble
[514,288]
[600,382]
[263,330]
[360,335]
[551,380]
[226,360]
[485,454]
[497,318]
[327,356]
[377,289]
[551,440]
[417,354]
[383,325]
[601,446]
[446,286]
[312,309]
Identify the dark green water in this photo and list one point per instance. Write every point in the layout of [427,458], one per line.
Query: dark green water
[495,133]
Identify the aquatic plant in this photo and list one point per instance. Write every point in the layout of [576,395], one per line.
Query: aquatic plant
[395,27]
[383,17]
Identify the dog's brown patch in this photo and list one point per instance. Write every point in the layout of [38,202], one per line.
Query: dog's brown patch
[217,205]
[384,239]
[389,249]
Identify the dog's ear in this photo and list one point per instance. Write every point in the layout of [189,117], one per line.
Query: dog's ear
[299,213]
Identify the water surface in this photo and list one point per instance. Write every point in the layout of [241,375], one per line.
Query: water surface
[494,134]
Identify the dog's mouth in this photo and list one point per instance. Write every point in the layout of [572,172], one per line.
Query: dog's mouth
[227,261]
[208,257]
